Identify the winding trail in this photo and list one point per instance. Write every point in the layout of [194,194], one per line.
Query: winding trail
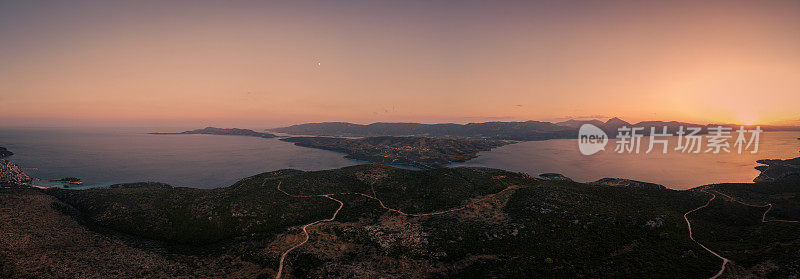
[305,227]
[307,236]
[725,261]
[341,204]
[763,216]
[375,197]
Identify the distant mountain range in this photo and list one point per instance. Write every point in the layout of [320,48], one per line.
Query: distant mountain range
[611,127]
[521,131]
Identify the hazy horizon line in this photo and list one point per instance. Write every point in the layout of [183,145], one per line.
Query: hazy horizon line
[160,124]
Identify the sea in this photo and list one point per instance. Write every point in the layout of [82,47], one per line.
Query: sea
[106,156]
[674,169]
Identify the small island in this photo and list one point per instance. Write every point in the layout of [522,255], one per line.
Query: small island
[623,182]
[4,152]
[222,131]
[420,152]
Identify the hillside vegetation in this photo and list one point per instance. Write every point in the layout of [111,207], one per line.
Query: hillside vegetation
[461,222]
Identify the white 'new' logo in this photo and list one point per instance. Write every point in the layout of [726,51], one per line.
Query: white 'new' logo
[591,139]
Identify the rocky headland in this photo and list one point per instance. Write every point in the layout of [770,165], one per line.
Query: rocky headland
[5,153]
[776,169]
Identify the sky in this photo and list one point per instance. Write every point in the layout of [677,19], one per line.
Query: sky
[268,64]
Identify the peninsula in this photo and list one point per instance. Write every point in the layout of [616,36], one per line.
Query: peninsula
[776,169]
[420,152]
[415,151]
[222,131]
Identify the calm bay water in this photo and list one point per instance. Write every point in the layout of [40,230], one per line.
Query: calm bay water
[675,170]
[104,157]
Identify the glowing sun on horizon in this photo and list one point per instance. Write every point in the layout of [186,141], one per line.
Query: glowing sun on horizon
[748,118]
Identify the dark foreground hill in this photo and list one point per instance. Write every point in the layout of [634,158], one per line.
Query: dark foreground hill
[373,221]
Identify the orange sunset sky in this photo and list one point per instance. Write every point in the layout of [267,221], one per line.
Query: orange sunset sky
[266,64]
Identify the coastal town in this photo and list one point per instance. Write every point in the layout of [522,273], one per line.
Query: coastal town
[11,174]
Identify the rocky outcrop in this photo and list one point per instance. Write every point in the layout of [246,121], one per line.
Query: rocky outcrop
[775,169]
[5,153]
[11,174]
[622,182]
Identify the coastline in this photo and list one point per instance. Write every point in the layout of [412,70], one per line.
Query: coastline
[138,211]
[746,169]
